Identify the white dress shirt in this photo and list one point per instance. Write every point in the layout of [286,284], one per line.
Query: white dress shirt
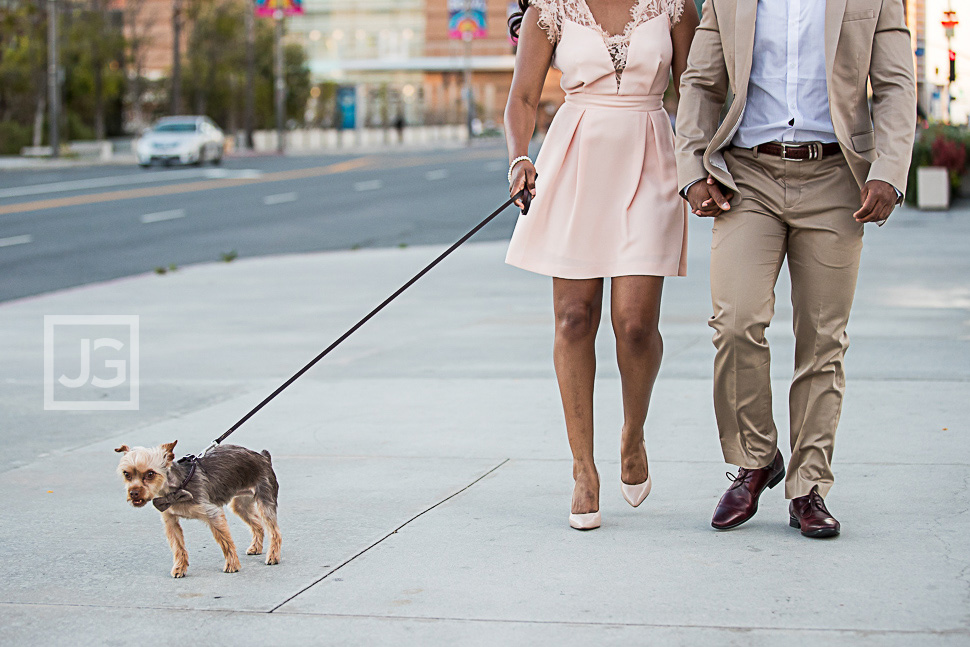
[787,94]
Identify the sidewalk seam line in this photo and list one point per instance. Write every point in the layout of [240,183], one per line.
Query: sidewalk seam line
[393,532]
[296,614]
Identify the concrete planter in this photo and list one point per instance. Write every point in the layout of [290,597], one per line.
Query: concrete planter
[932,187]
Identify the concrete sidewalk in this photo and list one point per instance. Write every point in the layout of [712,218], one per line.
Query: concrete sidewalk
[425,476]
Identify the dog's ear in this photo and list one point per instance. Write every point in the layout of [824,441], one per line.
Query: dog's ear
[123,449]
[169,453]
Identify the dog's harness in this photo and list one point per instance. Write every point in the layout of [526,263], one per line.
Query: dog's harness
[179,494]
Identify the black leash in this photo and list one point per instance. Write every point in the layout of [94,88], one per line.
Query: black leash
[526,198]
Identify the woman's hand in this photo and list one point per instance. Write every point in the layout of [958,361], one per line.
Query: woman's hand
[709,198]
[523,175]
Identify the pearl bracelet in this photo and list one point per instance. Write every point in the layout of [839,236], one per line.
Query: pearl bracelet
[516,161]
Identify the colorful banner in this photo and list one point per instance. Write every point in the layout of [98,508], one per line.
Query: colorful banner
[269,7]
[467,17]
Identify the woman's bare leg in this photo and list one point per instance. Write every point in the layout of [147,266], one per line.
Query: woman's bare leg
[578,305]
[635,308]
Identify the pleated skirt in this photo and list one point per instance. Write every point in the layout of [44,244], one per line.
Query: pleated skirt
[606,194]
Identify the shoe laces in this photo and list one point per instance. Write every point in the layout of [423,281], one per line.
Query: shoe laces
[744,475]
[816,501]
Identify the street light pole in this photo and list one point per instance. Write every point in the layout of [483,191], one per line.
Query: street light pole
[53,93]
[469,98]
[250,72]
[949,22]
[176,56]
[280,80]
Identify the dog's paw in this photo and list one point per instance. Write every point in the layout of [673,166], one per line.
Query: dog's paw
[272,560]
[231,567]
[254,550]
[179,571]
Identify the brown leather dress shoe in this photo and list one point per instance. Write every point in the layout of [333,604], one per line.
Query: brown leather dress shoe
[740,502]
[809,514]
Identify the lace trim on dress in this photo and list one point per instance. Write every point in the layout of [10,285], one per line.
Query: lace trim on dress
[552,13]
[550,18]
[675,9]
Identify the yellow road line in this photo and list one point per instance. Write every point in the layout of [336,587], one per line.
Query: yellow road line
[206,185]
[185,187]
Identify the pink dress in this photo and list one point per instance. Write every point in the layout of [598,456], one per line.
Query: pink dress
[606,195]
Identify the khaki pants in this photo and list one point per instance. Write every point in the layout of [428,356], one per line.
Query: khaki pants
[801,211]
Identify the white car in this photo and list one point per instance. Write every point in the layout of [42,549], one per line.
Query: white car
[187,140]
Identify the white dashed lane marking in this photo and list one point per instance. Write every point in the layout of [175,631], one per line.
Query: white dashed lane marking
[162,215]
[279,198]
[438,174]
[145,177]
[368,185]
[16,240]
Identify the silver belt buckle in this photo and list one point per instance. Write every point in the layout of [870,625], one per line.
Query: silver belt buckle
[814,151]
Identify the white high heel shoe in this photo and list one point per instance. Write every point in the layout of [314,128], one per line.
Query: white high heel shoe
[635,494]
[586,521]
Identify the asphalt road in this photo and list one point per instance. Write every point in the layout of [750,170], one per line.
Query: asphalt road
[68,227]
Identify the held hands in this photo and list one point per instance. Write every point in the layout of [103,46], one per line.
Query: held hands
[878,201]
[523,175]
[709,198]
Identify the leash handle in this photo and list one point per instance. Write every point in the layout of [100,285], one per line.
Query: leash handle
[526,197]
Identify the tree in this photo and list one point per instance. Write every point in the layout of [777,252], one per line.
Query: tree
[23,61]
[216,61]
[93,56]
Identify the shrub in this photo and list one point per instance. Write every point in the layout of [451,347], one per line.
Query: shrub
[952,155]
[13,137]
[940,145]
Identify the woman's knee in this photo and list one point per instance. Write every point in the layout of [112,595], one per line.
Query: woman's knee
[577,322]
[637,333]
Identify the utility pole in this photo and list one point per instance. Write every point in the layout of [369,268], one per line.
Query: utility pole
[250,73]
[280,80]
[53,85]
[176,56]
[949,23]
[467,90]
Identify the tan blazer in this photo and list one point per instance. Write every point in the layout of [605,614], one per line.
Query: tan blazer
[864,40]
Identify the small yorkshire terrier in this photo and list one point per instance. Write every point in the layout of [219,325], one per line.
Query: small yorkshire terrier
[227,474]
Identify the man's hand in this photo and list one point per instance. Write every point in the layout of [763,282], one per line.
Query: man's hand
[878,201]
[708,198]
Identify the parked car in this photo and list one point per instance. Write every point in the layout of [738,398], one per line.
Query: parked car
[187,140]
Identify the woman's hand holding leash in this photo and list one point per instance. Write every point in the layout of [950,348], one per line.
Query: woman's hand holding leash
[522,178]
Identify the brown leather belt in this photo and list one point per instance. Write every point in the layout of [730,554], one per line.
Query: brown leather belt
[799,152]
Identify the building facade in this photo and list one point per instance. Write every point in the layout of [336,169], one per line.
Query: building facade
[399,60]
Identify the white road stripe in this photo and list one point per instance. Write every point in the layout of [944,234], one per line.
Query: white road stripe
[145,177]
[16,240]
[231,174]
[368,185]
[438,174]
[279,198]
[162,215]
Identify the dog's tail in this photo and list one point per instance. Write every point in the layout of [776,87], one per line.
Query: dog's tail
[266,454]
